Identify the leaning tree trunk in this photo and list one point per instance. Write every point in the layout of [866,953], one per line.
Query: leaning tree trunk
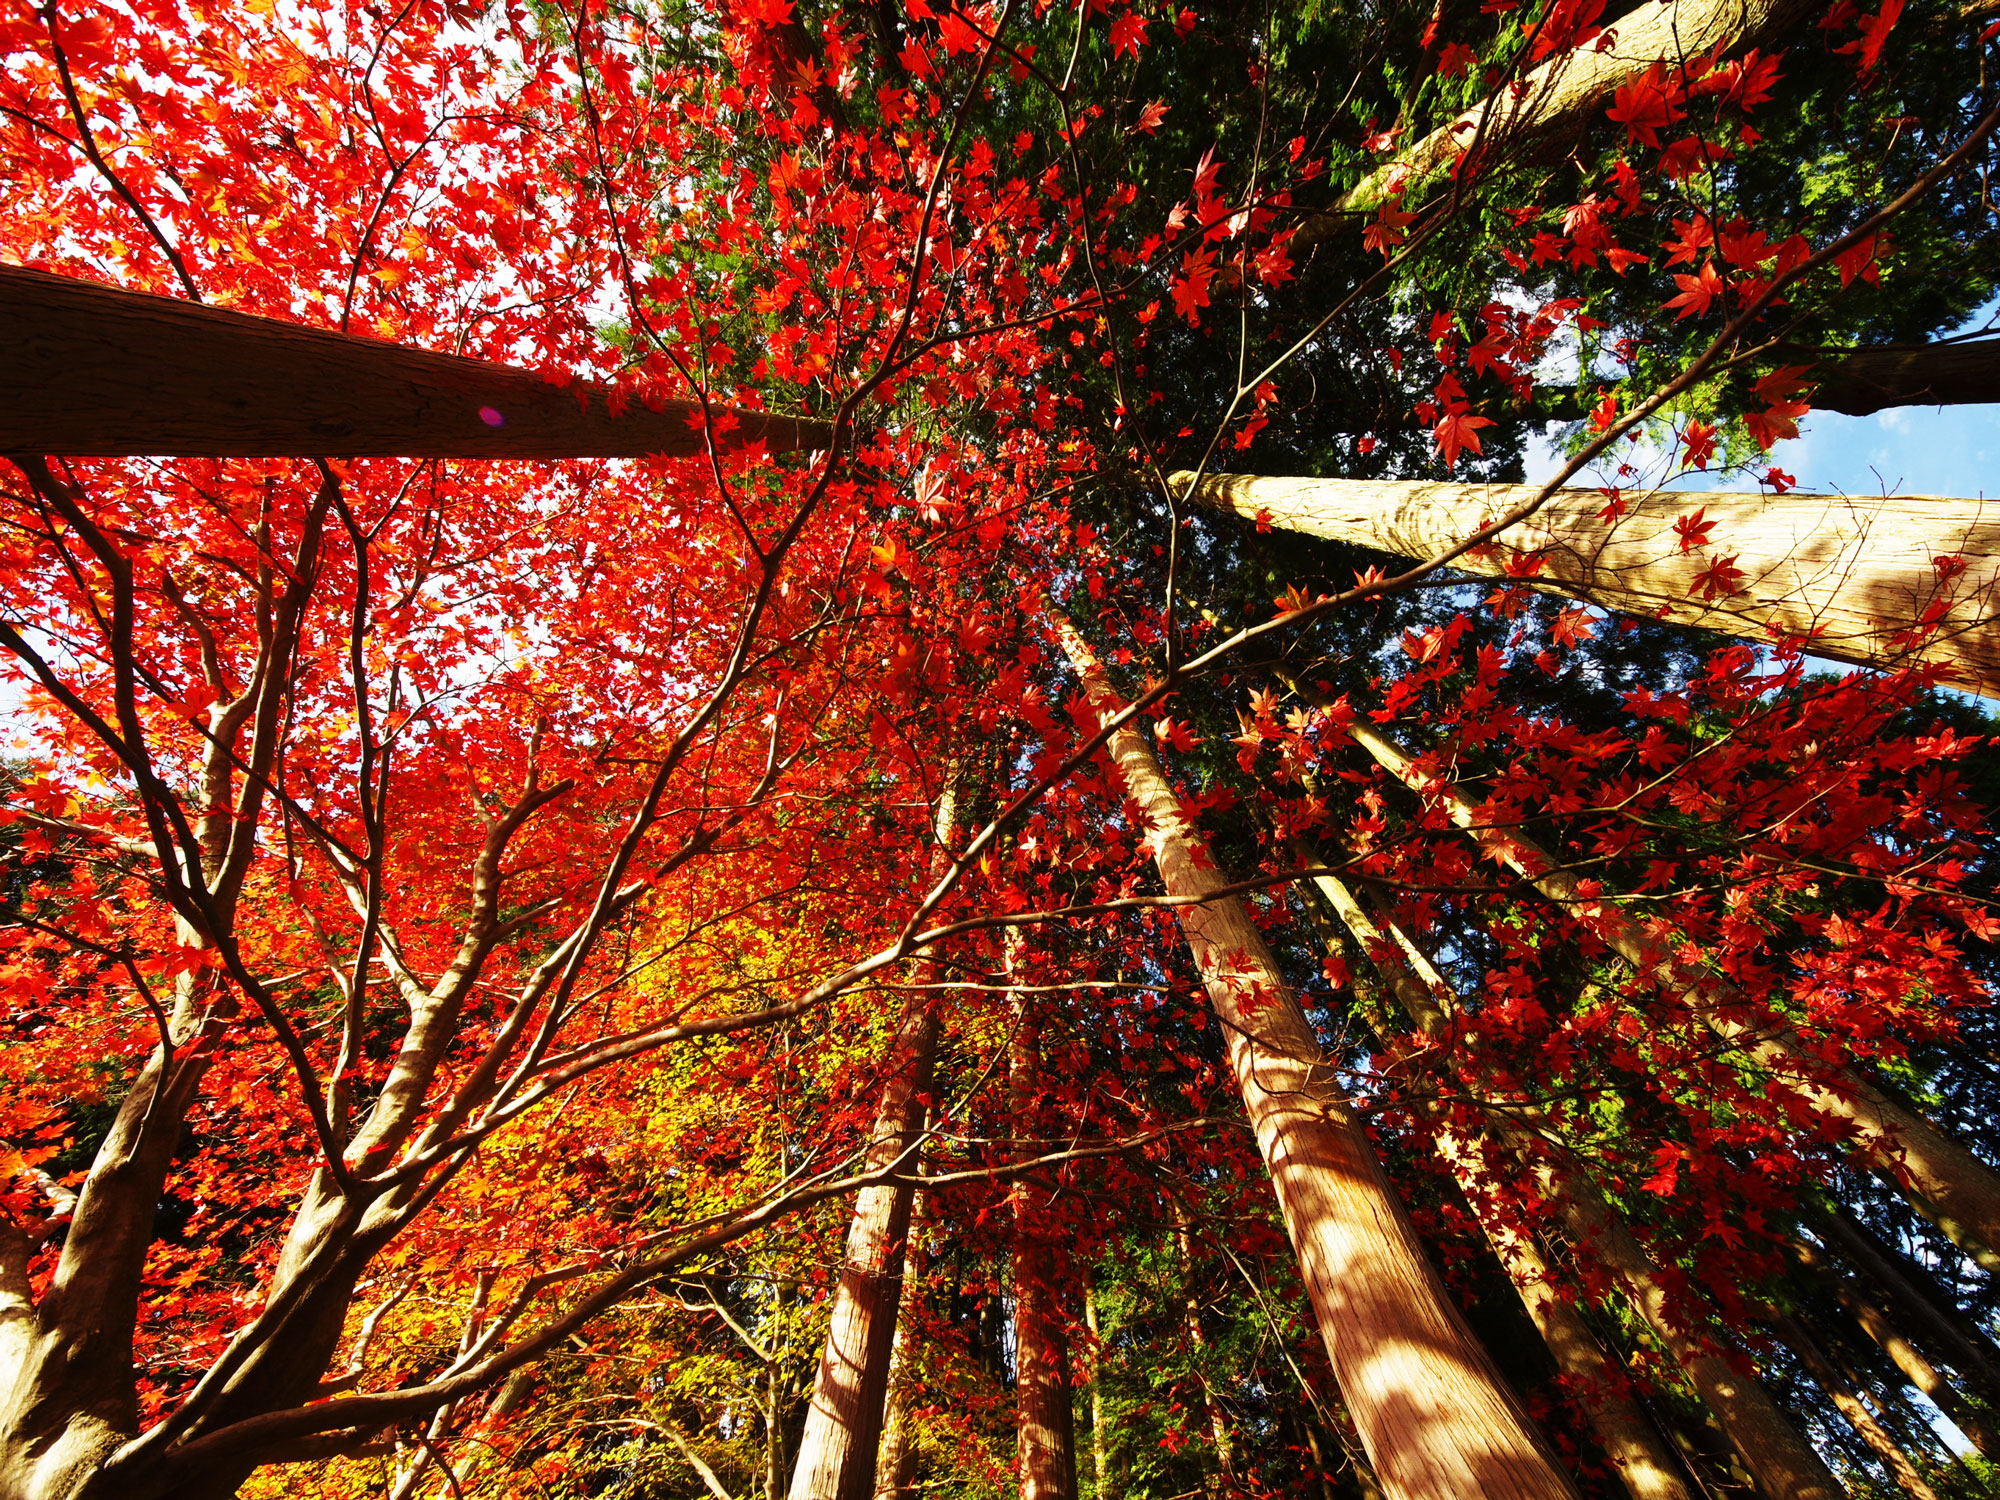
[1434,1414]
[1784,1463]
[1045,1429]
[1565,95]
[93,371]
[1944,1328]
[1907,1358]
[1854,573]
[1909,1478]
[1943,1180]
[836,1458]
[1592,1378]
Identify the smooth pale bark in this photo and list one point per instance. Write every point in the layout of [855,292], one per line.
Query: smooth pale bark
[1943,1180]
[1855,573]
[1949,1333]
[1045,1427]
[1901,1468]
[96,371]
[1435,1416]
[1907,1358]
[1785,1465]
[836,1458]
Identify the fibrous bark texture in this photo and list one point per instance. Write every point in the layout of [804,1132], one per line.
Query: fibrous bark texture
[836,1459]
[1853,573]
[1558,99]
[95,371]
[1434,1414]
[1860,381]
[1045,1426]
[1594,1380]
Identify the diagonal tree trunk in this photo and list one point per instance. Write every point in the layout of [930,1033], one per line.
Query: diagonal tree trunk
[1907,1358]
[1944,1328]
[1595,1380]
[1435,1416]
[836,1458]
[1943,1180]
[1770,1445]
[1901,1468]
[94,371]
[1852,572]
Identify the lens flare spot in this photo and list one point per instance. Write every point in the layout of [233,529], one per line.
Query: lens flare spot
[491,417]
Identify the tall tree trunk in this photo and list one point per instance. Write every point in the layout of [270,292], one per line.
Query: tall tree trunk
[1228,1481]
[93,371]
[1943,1180]
[1901,1467]
[1434,1414]
[1559,100]
[836,1459]
[1860,381]
[1100,1438]
[1858,568]
[1920,1372]
[895,1460]
[1045,1427]
[1785,1464]
[1950,1335]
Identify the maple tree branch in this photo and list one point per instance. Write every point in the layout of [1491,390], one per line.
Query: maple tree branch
[87,143]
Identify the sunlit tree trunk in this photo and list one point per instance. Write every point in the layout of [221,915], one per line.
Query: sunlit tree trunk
[1785,1464]
[1857,569]
[1597,1382]
[1557,100]
[1943,1180]
[1434,1414]
[1045,1427]
[1943,1327]
[1907,1358]
[836,1459]
[1901,1467]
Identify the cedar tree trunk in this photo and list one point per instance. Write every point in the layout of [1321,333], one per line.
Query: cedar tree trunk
[1597,1382]
[1906,1474]
[1857,569]
[1907,1358]
[94,371]
[836,1458]
[1045,1425]
[1434,1414]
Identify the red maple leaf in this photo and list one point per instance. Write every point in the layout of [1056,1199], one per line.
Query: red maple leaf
[1458,430]
[1128,34]
[1693,530]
